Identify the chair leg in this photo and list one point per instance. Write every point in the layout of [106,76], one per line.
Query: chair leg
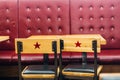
[54,48]
[94,43]
[19,50]
[60,59]
[95,78]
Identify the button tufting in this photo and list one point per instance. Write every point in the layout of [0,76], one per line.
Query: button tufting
[38,19]
[28,30]
[49,19]
[60,29]
[101,28]
[112,38]
[81,8]
[7,30]
[59,9]
[7,20]
[112,7]
[59,18]
[28,19]
[28,9]
[101,18]
[91,28]
[112,17]
[81,29]
[7,9]
[38,30]
[38,8]
[48,8]
[91,7]
[49,29]
[91,18]
[81,18]
[112,28]
[101,7]
[8,41]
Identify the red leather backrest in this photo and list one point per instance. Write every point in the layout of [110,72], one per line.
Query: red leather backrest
[97,16]
[43,17]
[8,22]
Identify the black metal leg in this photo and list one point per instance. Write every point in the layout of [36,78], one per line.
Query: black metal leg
[84,58]
[60,59]
[19,66]
[45,59]
[60,65]
[19,50]
[54,48]
[94,43]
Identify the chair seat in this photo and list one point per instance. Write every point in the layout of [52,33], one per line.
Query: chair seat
[39,71]
[79,70]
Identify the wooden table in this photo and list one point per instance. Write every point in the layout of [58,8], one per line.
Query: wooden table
[4,38]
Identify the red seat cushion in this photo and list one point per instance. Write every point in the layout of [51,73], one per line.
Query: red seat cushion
[33,58]
[110,56]
[77,57]
[28,58]
[6,56]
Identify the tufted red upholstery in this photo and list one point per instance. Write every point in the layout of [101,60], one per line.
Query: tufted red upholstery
[43,17]
[109,56]
[9,27]
[97,16]
[8,22]
[6,56]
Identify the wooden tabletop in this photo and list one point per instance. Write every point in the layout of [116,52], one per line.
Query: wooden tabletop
[3,38]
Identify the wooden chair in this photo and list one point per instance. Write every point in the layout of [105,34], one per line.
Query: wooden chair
[84,70]
[37,46]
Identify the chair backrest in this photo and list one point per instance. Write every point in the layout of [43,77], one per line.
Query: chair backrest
[80,43]
[37,46]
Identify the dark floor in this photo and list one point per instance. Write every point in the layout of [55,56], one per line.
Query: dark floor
[22,79]
[4,78]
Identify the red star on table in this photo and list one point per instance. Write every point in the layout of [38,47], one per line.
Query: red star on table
[77,44]
[37,45]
